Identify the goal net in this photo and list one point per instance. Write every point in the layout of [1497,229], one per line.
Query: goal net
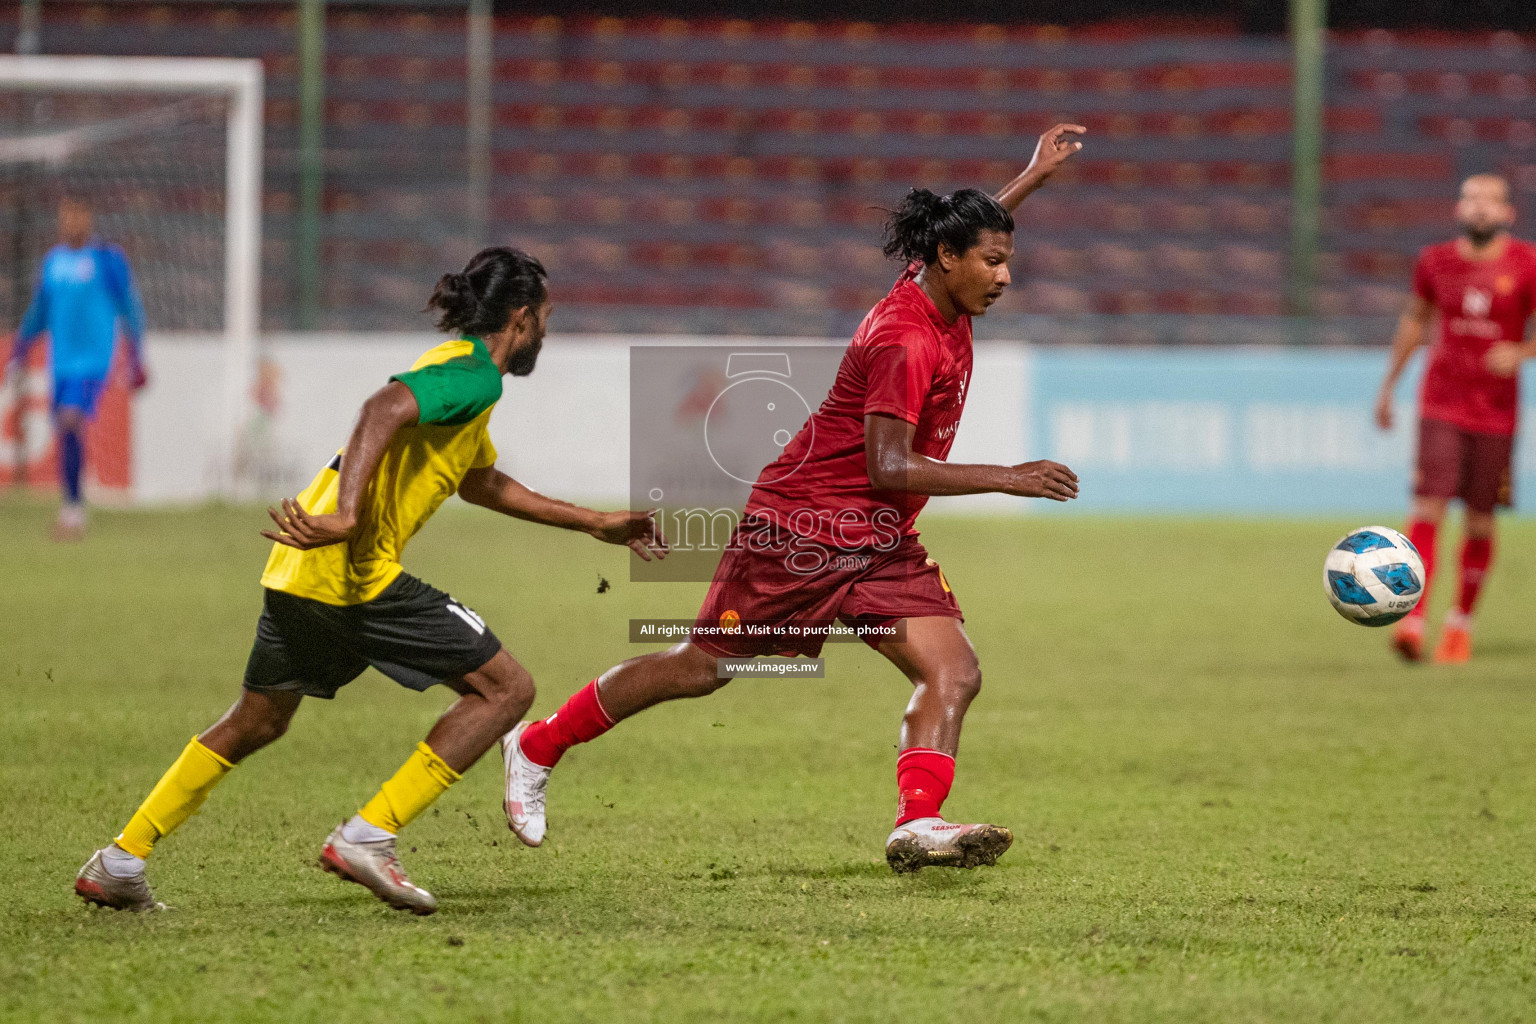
[166,154]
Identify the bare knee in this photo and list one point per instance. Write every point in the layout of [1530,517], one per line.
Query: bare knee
[507,687]
[958,684]
[519,693]
[696,673]
[1480,525]
[262,731]
[255,720]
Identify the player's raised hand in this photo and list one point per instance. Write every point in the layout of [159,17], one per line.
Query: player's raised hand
[298,529]
[1043,479]
[1053,149]
[638,531]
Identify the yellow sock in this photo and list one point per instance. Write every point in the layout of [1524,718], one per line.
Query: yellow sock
[422,779]
[179,793]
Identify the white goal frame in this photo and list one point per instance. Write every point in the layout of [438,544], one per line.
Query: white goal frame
[242,82]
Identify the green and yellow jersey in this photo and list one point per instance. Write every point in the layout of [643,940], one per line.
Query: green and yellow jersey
[456,386]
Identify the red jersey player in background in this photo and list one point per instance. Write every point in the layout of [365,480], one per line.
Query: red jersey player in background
[1483,287]
[834,540]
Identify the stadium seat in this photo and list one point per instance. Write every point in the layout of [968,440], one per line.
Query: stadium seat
[667,142]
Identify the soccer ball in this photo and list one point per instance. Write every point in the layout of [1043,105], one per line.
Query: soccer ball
[1374,576]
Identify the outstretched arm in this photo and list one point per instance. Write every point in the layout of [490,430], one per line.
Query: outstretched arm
[1409,336]
[33,323]
[130,309]
[893,466]
[490,488]
[391,407]
[1050,153]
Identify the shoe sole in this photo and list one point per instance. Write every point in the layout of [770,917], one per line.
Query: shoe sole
[513,829]
[333,864]
[93,894]
[980,847]
[96,896]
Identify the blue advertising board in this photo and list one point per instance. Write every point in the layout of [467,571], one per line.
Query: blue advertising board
[1242,430]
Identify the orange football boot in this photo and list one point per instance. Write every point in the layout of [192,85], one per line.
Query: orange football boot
[1408,638]
[1455,646]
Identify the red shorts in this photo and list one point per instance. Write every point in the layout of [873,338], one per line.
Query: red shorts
[1457,463]
[771,578]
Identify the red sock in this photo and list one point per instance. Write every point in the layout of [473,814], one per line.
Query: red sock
[579,719]
[1422,535]
[924,777]
[1476,554]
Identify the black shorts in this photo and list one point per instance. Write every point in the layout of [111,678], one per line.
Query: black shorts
[413,633]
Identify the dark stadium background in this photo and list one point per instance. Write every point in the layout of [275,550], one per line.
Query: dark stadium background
[692,201]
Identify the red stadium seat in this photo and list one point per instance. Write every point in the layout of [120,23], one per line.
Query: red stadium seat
[1173,258]
[1347,167]
[652,131]
[1249,262]
[1058,298]
[1377,300]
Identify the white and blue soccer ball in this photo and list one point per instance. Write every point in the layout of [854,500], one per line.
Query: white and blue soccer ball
[1374,576]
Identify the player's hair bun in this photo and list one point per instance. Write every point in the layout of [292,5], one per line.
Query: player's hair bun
[454,297]
[481,299]
[924,221]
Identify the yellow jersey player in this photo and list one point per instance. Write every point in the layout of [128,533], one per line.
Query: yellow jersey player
[337,599]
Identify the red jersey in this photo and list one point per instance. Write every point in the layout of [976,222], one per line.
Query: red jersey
[1481,303]
[904,361]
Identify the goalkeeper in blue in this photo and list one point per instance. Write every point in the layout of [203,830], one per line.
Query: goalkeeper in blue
[84,292]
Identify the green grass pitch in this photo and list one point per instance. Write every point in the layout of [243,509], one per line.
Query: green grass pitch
[1230,804]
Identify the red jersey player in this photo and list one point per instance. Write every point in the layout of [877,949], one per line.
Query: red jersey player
[1483,287]
[834,539]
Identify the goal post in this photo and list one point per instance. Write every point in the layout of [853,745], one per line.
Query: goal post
[239,83]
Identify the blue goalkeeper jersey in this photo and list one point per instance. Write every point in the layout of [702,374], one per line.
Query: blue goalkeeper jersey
[81,296]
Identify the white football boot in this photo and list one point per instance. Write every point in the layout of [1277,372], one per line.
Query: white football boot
[95,884]
[70,526]
[934,842]
[526,783]
[374,866]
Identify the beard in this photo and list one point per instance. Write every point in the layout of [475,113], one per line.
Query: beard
[522,361]
[1480,235]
